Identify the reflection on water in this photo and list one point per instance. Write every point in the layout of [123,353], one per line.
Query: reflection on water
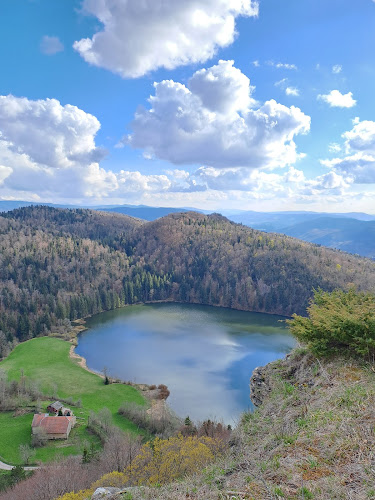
[204,355]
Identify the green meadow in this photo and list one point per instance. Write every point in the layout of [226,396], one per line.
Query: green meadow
[47,361]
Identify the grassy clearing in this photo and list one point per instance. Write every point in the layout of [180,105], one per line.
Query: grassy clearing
[47,360]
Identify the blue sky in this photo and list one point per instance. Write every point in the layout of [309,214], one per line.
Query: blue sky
[257,106]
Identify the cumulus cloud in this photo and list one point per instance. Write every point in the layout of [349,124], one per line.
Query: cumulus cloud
[264,185]
[338,100]
[358,164]
[49,147]
[51,45]
[214,121]
[48,151]
[138,37]
[222,88]
[361,137]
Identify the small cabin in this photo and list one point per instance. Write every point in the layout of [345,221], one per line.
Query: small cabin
[58,407]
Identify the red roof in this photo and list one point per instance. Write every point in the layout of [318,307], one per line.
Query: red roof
[38,418]
[52,425]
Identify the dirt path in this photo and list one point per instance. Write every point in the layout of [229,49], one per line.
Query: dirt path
[4,466]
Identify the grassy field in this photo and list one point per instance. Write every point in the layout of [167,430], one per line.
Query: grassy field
[47,361]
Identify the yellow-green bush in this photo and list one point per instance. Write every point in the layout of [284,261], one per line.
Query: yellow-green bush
[80,495]
[338,322]
[164,460]
[114,479]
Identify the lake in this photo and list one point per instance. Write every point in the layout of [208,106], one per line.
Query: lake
[205,355]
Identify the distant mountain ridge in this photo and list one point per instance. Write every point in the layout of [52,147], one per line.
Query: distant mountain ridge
[139,211]
[349,235]
[345,231]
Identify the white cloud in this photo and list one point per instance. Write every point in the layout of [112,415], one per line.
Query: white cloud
[288,89]
[222,88]
[358,167]
[292,91]
[49,147]
[280,65]
[282,83]
[210,122]
[141,36]
[51,45]
[337,68]
[4,173]
[359,163]
[334,147]
[48,151]
[361,137]
[135,182]
[257,64]
[338,100]
[263,185]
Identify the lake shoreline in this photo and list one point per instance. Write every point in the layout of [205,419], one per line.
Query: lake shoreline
[152,395]
[82,321]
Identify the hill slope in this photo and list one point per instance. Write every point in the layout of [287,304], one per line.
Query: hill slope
[108,228]
[214,261]
[311,438]
[59,265]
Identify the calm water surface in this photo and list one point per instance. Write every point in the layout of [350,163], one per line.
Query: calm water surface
[205,355]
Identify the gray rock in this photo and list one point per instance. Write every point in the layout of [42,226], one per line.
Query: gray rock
[106,492]
[259,386]
[112,493]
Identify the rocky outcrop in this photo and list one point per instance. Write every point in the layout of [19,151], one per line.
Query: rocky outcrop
[109,493]
[259,385]
[294,368]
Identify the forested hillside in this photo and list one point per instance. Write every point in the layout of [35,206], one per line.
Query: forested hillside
[107,228]
[60,265]
[214,261]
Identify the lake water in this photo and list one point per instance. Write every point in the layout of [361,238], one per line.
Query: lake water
[205,355]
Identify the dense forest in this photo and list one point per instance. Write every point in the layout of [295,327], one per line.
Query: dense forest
[59,265]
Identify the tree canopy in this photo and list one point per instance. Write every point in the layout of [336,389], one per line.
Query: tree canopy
[338,322]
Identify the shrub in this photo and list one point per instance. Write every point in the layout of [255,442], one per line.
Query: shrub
[39,439]
[164,425]
[166,460]
[338,322]
[80,495]
[112,479]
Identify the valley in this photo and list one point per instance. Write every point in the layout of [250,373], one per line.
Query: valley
[62,268]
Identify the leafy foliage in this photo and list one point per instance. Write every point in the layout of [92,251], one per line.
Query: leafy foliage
[338,322]
[165,460]
[9,479]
